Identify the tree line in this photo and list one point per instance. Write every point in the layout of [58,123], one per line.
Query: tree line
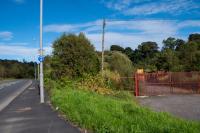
[16,69]
[175,55]
[75,55]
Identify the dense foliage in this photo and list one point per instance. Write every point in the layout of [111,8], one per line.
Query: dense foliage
[16,69]
[175,55]
[116,61]
[74,56]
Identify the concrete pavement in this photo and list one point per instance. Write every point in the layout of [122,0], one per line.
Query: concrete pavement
[26,115]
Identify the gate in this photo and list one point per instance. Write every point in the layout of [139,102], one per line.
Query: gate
[165,83]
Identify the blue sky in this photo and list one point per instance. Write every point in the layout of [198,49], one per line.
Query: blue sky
[129,22]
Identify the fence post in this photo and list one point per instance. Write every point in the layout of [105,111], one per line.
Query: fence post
[171,83]
[136,85]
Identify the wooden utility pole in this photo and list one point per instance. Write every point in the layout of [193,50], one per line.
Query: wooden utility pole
[103,37]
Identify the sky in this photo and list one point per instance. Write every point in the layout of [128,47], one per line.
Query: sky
[128,23]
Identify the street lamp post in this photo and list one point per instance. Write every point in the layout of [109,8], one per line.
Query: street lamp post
[41,54]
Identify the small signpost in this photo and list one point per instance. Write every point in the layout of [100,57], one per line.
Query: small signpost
[41,58]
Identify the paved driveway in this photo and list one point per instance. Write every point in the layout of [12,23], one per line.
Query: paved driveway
[185,106]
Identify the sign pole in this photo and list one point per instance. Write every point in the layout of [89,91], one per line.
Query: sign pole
[41,54]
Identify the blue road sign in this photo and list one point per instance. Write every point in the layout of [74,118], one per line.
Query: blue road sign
[41,58]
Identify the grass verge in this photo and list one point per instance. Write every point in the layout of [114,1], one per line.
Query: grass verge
[114,114]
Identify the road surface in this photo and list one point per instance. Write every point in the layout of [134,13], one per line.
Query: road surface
[9,90]
[183,106]
[21,111]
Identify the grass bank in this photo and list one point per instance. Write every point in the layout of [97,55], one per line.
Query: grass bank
[113,114]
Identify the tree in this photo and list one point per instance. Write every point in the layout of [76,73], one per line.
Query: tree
[173,44]
[189,55]
[194,38]
[116,48]
[129,52]
[169,43]
[168,60]
[2,71]
[119,62]
[74,56]
[47,66]
[179,43]
[16,69]
[148,49]
[136,56]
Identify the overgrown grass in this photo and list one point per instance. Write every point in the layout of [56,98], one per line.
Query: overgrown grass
[114,114]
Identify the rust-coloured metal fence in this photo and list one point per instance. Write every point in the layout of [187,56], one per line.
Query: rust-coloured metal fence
[164,83]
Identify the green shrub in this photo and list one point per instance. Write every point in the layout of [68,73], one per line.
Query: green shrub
[119,63]
[74,56]
[104,85]
[112,79]
[96,84]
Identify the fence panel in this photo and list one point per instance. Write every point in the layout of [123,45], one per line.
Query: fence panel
[165,83]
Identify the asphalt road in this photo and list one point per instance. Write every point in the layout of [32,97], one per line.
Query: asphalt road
[183,106]
[25,114]
[9,90]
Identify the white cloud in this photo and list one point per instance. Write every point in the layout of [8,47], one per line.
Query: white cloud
[15,43]
[58,28]
[145,26]
[6,35]
[70,27]
[117,4]
[8,49]
[130,32]
[148,7]
[148,26]
[189,23]
[121,4]
[173,7]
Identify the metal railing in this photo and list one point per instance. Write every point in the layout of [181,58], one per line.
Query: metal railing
[164,83]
